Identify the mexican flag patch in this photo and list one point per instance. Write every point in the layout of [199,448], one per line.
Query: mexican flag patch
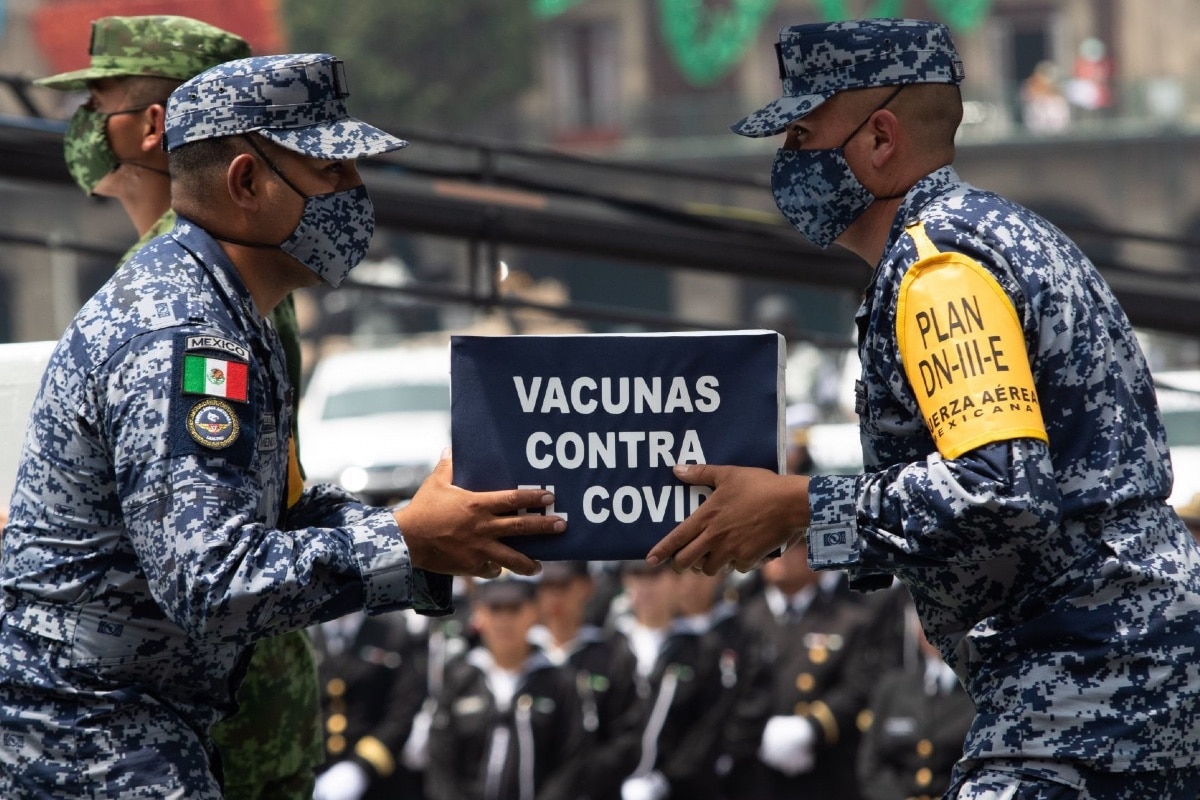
[214,377]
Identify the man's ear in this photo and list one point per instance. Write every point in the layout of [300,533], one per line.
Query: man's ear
[242,181]
[154,119]
[885,133]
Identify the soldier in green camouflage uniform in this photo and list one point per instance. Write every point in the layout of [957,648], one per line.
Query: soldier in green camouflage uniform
[272,745]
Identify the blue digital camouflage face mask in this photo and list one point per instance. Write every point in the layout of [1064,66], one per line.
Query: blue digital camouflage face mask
[333,234]
[334,230]
[817,191]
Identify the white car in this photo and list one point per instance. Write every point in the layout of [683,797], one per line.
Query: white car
[835,448]
[1179,401]
[376,421]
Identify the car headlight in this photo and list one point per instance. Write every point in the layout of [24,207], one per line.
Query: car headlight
[353,479]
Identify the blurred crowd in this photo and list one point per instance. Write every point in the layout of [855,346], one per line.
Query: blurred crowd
[614,680]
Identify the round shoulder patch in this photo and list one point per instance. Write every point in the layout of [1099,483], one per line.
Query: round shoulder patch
[213,423]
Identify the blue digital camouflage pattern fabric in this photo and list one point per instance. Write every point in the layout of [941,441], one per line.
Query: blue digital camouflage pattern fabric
[1018,781]
[297,101]
[818,193]
[275,742]
[1054,579]
[149,545]
[152,46]
[818,60]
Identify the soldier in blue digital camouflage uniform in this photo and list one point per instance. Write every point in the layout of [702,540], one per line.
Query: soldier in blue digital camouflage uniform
[151,542]
[113,148]
[1016,465]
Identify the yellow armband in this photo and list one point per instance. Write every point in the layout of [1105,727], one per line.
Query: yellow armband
[963,351]
[295,481]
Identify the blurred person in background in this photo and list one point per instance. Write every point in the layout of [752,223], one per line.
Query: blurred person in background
[706,697]
[154,535]
[113,148]
[644,611]
[372,672]
[607,592]
[814,633]
[447,639]
[798,418]
[1044,108]
[507,722]
[914,725]
[603,667]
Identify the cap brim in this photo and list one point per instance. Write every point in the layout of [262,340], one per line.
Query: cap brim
[343,140]
[504,596]
[559,572]
[77,79]
[774,117]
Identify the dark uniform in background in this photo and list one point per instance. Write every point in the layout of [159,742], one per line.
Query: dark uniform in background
[917,720]
[707,700]
[603,668]
[814,659]
[446,639]
[485,744]
[372,674]
[918,724]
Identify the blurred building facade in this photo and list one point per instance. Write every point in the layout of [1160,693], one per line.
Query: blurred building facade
[1107,145]
[1105,140]
[616,79]
[1128,72]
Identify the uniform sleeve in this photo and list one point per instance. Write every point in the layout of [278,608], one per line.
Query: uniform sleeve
[204,524]
[997,500]
[948,357]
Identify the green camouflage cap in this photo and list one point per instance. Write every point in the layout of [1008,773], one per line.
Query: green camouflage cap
[151,46]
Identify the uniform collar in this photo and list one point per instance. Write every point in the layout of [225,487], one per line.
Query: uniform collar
[481,659]
[209,254]
[924,192]
[539,636]
[779,603]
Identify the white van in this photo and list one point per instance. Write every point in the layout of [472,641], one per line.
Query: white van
[376,421]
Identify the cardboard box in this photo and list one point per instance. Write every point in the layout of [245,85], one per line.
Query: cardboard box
[600,419]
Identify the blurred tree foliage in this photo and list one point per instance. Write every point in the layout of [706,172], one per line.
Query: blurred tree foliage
[433,65]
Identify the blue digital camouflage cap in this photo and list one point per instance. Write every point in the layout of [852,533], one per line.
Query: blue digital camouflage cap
[297,101]
[819,60]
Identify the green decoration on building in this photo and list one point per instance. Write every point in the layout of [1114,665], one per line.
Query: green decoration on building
[552,8]
[833,10]
[706,44]
[962,15]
